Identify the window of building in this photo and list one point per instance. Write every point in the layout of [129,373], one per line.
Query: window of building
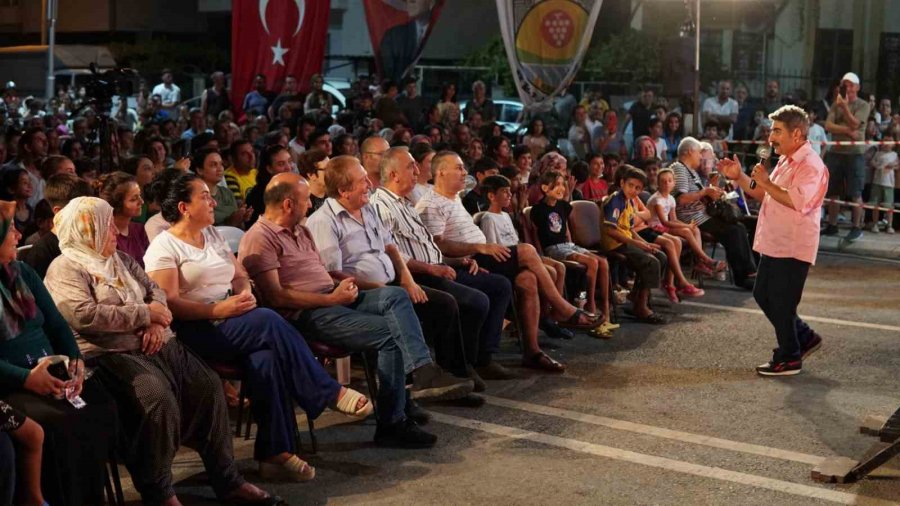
[834,50]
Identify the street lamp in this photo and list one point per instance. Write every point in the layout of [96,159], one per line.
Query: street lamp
[50,17]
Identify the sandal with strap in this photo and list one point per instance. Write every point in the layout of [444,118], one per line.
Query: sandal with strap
[543,362]
[292,469]
[652,319]
[348,403]
[601,332]
[573,321]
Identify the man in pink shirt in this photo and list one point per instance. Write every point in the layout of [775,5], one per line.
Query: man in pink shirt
[787,234]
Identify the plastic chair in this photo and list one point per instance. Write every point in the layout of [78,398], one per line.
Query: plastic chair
[232,236]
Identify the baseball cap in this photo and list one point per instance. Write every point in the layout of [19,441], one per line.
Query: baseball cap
[850,76]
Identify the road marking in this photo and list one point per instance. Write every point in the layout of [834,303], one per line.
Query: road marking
[660,432]
[848,323]
[677,466]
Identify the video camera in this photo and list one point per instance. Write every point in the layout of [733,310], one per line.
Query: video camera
[102,87]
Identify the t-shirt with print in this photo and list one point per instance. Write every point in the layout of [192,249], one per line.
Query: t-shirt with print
[884,162]
[667,203]
[619,213]
[204,274]
[551,222]
[498,228]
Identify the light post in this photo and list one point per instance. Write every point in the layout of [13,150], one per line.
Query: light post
[50,18]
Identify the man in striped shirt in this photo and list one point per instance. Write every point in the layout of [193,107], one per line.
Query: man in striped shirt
[692,195]
[482,297]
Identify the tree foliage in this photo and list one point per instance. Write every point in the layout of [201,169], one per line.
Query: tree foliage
[627,56]
[154,55]
[493,56]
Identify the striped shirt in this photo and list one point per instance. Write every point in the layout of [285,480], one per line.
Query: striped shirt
[351,246]
[410,234]
[688,181]
[448,219]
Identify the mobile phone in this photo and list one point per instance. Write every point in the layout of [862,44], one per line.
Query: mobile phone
[843,90]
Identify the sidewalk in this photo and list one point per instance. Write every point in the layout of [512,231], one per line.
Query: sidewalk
[877,245]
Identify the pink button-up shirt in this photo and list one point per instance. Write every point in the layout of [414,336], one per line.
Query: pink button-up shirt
[783,232]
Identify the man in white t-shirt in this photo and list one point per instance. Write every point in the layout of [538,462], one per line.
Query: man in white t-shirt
[721,109]
[169,92]
[456,235]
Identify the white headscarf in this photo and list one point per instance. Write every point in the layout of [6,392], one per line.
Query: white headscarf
[82,227]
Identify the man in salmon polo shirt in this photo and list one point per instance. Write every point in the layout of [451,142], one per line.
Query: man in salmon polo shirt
[787,234]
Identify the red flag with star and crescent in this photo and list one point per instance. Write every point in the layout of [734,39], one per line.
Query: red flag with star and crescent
[276,38]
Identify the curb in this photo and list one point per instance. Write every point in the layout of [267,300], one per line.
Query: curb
[865,246]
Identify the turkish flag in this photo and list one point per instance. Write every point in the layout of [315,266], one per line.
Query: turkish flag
[399,30]
[276,38]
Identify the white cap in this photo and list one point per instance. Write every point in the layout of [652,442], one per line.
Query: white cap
[850,76]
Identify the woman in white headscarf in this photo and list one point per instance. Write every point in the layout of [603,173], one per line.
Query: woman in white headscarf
[166,394]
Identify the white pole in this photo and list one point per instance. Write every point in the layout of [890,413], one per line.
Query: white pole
[697,68]
[51,43]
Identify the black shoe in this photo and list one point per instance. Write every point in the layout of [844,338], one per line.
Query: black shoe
[830,230]
[495,371]
[780,368]
[812,346]
[432,382]
[746,284]
[855,233]
[469,401]
[416,413]
[405,434]
[553,330]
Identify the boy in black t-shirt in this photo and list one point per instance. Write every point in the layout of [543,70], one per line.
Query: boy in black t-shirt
[550,218]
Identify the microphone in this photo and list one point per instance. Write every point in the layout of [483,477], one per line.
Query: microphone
[763,152]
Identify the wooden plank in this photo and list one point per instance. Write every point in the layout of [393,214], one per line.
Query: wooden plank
[834,470]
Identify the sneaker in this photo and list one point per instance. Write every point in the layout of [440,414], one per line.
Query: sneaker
[812,346]
[671,293]
[495,371]
[703,269]
[830,230]
[432,382]
[889,230]
[404,434]
[874,229]
[780,368]
[416,413]
[691,291]
[855,233]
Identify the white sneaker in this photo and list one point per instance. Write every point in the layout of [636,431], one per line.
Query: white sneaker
[890,230]
[874,229]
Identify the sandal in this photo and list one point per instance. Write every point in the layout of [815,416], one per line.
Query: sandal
[292,469]
[573,321]
[543,362]
[718,266]
[652,319]
[349,402]
[601,332]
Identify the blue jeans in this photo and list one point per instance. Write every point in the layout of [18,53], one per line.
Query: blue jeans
[483,300]
[8,464]
[279,368]
[382,319]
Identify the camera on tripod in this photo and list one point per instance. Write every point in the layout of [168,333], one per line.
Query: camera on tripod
[102,87]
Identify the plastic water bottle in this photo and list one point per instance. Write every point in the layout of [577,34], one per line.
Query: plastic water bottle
[581,300]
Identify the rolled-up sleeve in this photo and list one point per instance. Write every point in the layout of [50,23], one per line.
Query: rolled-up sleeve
[808,188]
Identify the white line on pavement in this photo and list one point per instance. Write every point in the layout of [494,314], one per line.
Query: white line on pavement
[848,323]
[677,466]
[660,432]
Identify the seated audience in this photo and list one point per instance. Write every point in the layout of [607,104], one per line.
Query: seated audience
[645,259]
[595,188]
[456,235]
[284,264]
[353,242]
[28,437]
[207,163]
[78,441]
[482,297]
[274,160]
[209,295]
[475,200]
[122,192]
[165,394]
[311,165]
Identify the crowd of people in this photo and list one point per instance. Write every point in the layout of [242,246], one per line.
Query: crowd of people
[415,230]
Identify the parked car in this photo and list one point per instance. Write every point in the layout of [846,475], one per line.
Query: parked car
[507,112]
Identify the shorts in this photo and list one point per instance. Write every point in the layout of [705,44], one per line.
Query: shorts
[563,250]
[879,194]
[846,175]
[508,269]
[649,235]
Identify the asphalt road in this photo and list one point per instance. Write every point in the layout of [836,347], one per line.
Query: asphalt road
[658,415]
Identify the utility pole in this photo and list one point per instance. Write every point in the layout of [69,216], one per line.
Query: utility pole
[697,67]
[50,17]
